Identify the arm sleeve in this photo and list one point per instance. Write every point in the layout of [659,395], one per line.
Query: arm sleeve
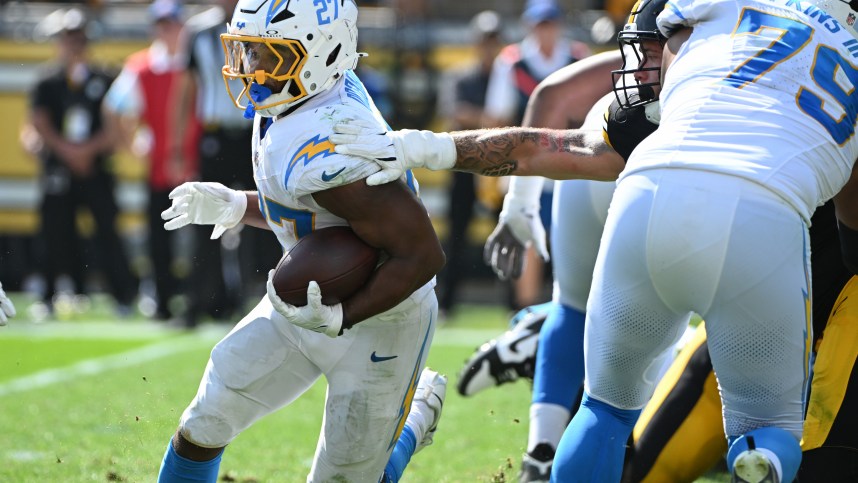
[311,164]
[332,171]
[526,189]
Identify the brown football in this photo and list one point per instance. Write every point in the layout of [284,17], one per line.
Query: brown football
[334,257]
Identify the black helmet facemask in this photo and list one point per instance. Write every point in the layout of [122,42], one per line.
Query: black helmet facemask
[640,27]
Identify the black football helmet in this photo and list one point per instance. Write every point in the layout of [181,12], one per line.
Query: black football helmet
[639,27]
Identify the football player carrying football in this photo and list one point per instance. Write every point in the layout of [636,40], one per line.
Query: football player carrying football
[292,62]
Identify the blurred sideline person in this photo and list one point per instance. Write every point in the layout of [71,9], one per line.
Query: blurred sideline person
[519,67]
[7,308]
[461,103]
[381,405]
[223,270]
[515,74]
[769,254]
[66,112]
[138,98]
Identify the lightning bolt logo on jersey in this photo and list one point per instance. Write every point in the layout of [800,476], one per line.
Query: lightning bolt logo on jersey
[295,159]
[309,151]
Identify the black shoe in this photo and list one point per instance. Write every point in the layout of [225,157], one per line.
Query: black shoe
[505,359]
[536,464]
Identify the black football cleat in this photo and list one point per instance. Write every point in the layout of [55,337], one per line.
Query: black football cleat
[536,464]
[510,357]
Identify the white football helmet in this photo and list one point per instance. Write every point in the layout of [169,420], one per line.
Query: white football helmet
[295,48]
[845,12]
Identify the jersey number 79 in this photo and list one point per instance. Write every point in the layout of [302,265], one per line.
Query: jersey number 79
[830,72]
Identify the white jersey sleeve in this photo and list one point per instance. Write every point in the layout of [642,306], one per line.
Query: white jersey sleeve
[686,13]
[309,161]
[293,159]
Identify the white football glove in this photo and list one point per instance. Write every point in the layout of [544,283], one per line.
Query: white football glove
[205,204]
[315,316]
[519,226]
[395,151]
[6,308]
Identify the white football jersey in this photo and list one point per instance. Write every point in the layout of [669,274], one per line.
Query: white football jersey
[764,90]
[292,159]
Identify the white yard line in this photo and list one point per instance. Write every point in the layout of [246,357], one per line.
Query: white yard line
[81,329]
[452,337]
[473,338]
[98,365]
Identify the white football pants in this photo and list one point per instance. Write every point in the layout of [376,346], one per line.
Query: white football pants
[679,241]
[579,209]
[372,370]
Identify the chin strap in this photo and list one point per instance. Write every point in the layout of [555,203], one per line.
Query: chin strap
[258,93]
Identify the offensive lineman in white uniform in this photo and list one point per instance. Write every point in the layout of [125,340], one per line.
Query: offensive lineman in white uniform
[710,216]
[293,61]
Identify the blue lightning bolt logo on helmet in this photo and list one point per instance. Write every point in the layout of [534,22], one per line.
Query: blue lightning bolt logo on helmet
[272,9]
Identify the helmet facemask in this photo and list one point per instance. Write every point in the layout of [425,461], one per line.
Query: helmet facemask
[272,63]
[640,27]
[284,52]
[628,90]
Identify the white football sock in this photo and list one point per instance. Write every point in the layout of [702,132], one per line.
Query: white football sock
[417,421]
[547,423]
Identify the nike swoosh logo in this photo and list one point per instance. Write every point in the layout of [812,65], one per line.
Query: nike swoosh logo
[514,345]
[375,358]
[327,177]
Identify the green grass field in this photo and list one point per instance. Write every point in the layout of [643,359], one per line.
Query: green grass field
[95,399]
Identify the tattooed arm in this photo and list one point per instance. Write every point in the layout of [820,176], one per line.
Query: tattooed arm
[556,154]
[520,151]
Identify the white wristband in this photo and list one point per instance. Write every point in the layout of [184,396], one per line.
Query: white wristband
[426,149]
[239,207]
[446,155]
[526,190]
